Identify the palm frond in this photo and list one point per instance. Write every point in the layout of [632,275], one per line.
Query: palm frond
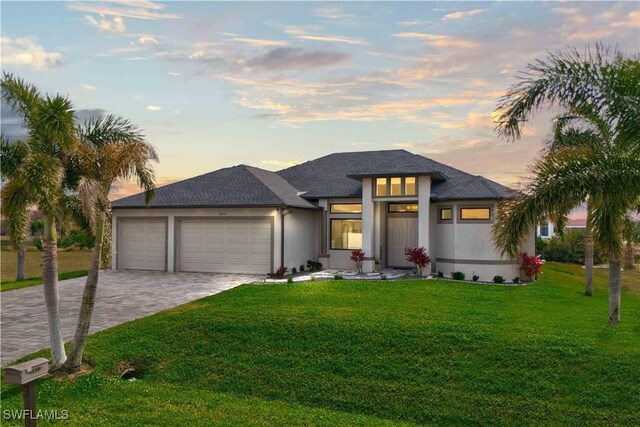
[24,98]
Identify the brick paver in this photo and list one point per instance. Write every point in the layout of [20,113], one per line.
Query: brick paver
[122,296]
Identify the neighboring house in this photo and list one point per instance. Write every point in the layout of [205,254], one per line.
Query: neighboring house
[244,219]
[547,230]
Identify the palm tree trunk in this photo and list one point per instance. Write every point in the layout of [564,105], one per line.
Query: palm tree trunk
[74,361]
[51,294]
[588,255]
[614,289]
[21,261]
[629,259]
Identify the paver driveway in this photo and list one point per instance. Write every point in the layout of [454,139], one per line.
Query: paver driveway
[122,296]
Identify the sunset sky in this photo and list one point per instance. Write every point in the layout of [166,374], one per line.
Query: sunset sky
[273,84]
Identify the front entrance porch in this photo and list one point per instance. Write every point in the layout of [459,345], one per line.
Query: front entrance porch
[402,233]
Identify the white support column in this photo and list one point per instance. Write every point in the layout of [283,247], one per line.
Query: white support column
[114,241]
[171,240]
[367,224]
[424,195]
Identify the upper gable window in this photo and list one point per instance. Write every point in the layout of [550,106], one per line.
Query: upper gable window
[381,186]
[395,186]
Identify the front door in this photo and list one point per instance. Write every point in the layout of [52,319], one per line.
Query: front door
[402,233]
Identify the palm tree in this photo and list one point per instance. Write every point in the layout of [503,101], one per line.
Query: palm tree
[37,179]
[110,149]
[631,235]
[16,219]
[603,85]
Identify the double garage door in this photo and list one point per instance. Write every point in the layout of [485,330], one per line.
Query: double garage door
[230,245]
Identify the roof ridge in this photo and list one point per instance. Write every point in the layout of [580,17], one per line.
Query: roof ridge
[248,169]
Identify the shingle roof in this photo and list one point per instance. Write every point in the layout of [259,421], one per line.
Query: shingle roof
[336,175]
[235,186]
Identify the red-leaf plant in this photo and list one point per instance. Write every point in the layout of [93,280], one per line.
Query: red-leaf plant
[530,265]
[357,256]
[418,257]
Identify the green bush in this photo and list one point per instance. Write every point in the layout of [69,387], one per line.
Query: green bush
[77,238]
[37,242]
[498,279]
[516,280]
[289,279]
[440,274]
[541,245]
[457,275]
[314,265]
[569,248]
[476,277]
[338,276]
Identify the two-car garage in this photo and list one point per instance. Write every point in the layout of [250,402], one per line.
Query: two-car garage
[216,245]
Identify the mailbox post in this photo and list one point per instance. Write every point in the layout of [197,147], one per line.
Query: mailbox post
[25,374]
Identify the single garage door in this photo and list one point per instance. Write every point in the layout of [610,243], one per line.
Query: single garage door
[143,244]
[230,245]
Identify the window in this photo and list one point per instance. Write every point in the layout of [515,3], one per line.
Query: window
[396,186]
[381,186]
[544,230]
[446,214]
[346,208]
[410,186]
[403,207]
[346,234]
[475,213]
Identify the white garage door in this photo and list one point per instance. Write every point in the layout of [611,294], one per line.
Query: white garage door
[143,244]
[230,245]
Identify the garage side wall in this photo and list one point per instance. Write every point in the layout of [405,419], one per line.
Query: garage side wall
[172,215]
[300,233]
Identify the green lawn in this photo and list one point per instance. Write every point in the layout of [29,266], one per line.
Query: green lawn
[70,264]
[368,353]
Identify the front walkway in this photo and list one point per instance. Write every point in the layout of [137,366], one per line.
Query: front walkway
[122,296]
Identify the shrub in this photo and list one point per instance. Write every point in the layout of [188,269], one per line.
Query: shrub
[530,265]
[312,278]
[570,248]
[383,276]
[289,279]
[338,276]
[516,280]
[457,275]
[314,265]
[37,242]
[37,228]
[301,268]
[418,257]
[357,256]
[77,238]
[541,245]
[498,279]
[476,277]
[440,274]
[293,270]
[282,271]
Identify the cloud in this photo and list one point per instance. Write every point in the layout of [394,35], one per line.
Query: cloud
[173,74]
[258,42]
[590,35]
[153,108]
[115,25]
[332,13]
[145,39]
[302,34]
[283,58]
[127,9]
[439,40]
[463,14]
[632,21]
[24,51]
[279,163]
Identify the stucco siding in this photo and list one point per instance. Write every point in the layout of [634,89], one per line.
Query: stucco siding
[300,231]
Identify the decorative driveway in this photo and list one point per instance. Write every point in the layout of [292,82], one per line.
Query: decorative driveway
[122,296]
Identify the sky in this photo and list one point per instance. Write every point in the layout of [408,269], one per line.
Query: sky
[273,84]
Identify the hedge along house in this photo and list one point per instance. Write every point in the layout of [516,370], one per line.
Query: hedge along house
[248,220]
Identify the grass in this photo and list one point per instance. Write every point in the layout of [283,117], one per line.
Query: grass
[367,353]
[70,264]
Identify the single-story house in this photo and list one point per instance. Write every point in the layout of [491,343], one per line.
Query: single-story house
[546,229]
[244,219]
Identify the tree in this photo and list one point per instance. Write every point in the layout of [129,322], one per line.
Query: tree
[36,176]
[631,235]
[602,85]
[110,148]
